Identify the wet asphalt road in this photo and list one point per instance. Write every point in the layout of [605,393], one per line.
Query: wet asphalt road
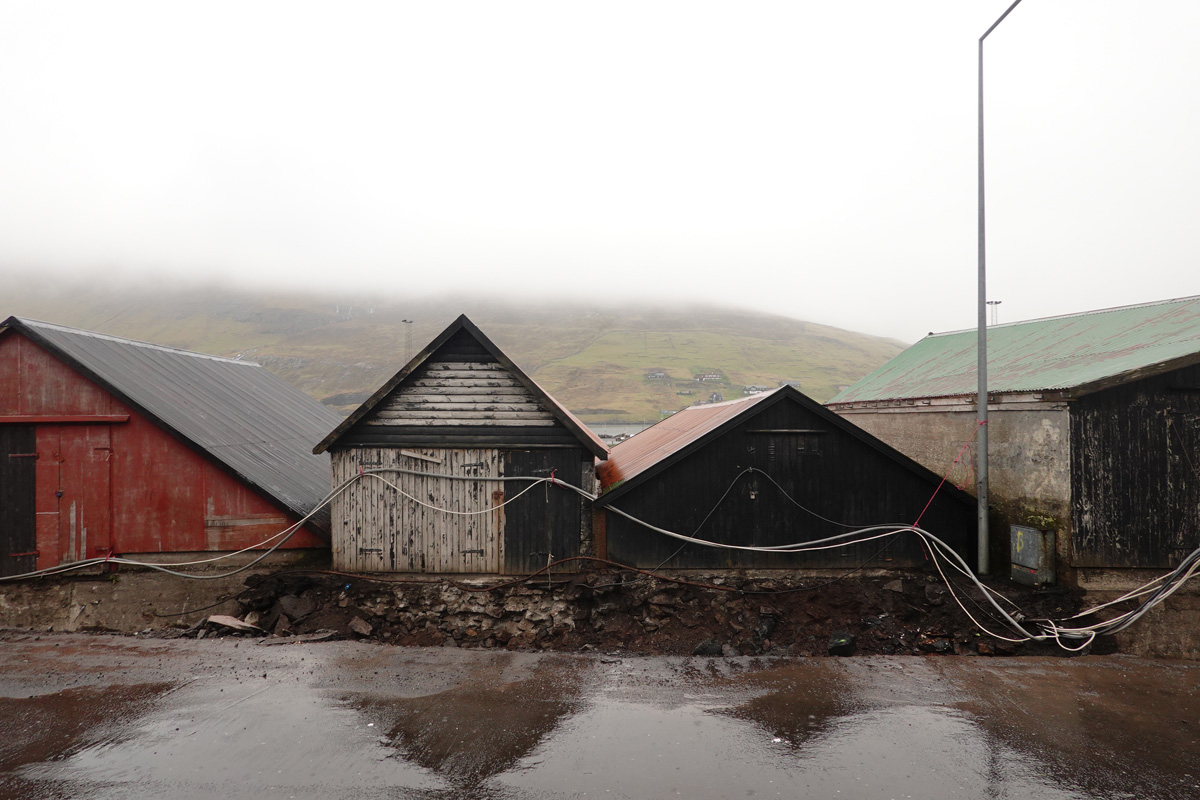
[115,717]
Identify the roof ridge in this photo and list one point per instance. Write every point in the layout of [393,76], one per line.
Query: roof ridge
[1090,313]
[134,342]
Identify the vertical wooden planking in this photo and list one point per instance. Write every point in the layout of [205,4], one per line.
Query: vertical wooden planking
[389,531]
[832,474]
[1134,473]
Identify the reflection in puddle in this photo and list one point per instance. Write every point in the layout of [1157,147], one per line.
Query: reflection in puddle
[51,726]
[479,729]
[230,740]
[636,750]
[798,704]
[1100,728]
[481,726]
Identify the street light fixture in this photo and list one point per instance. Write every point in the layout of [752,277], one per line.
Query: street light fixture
[981,396]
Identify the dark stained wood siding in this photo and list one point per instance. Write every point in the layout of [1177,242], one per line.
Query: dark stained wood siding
[833,474]
[17,520]
[1135,473]
[460,397]
[547,520]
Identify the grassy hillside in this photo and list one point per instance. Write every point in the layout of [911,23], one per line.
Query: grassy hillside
[593,359]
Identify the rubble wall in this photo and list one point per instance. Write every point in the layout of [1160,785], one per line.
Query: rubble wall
[731,614]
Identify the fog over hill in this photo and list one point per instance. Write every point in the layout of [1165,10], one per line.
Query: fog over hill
[597,358]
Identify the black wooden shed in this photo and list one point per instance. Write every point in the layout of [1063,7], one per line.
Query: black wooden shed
[442,446]
[770,469]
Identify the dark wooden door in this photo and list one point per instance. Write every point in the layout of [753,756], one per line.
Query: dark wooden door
[546,521]
[1182,535]
[17,520]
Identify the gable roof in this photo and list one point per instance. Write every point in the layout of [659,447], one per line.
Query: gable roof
[237,412]
[462,325]
[650,448]
[637,459]
[1079,353]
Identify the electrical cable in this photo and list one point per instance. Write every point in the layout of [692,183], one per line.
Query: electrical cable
[1154,592]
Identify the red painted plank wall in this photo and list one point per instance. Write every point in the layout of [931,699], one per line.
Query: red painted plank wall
[129,486]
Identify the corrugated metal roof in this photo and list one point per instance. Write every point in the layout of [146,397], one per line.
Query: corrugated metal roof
[1078,352]
[240,413]
[650,447]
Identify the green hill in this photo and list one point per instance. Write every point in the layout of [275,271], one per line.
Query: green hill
[595,359]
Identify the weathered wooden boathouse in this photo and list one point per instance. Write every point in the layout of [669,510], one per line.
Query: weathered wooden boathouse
[113,446]
[455,429]
[769,469]
[1094,422]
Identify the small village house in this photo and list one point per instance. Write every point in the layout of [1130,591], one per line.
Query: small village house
[1094,428]
[456,430]
[113,446]
[769,469]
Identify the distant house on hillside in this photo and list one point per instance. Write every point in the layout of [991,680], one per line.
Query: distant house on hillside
[770,469]
[109,445]
[709,376]
[455,435]
[656,375]
[1094,427]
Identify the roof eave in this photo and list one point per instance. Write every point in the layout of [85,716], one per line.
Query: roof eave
[32,333]
[585,436]
[1135,374]
[627,484]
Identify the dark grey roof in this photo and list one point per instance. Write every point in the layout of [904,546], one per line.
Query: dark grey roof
[238,412]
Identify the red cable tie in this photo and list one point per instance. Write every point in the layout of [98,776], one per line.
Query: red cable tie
[552,478]
[107,557]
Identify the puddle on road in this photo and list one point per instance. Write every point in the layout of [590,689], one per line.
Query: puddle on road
[478,729]
[233,740]
[797,702]
[51,726]
[571,728]
[1096,726]
[794,739]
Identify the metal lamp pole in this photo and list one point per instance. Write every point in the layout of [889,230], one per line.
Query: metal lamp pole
[981,397]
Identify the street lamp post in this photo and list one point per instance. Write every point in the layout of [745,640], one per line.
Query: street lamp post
[981,397]
[408,338]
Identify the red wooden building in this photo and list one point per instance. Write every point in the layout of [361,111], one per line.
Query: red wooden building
[109,445]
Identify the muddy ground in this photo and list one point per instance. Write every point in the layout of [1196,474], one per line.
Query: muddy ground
[626,612]
[110,717]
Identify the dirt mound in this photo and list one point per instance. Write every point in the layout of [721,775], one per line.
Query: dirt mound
[607,610]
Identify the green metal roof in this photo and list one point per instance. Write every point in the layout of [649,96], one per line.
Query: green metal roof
[1078,353]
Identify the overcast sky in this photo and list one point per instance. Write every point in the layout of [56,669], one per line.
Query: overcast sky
[815,159]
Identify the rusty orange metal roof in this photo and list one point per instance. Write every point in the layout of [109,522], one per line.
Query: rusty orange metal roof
[658,442]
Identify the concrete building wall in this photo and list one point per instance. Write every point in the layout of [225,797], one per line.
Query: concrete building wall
[1028,469]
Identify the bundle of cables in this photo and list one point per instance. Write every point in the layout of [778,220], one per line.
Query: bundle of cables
[1070,634]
